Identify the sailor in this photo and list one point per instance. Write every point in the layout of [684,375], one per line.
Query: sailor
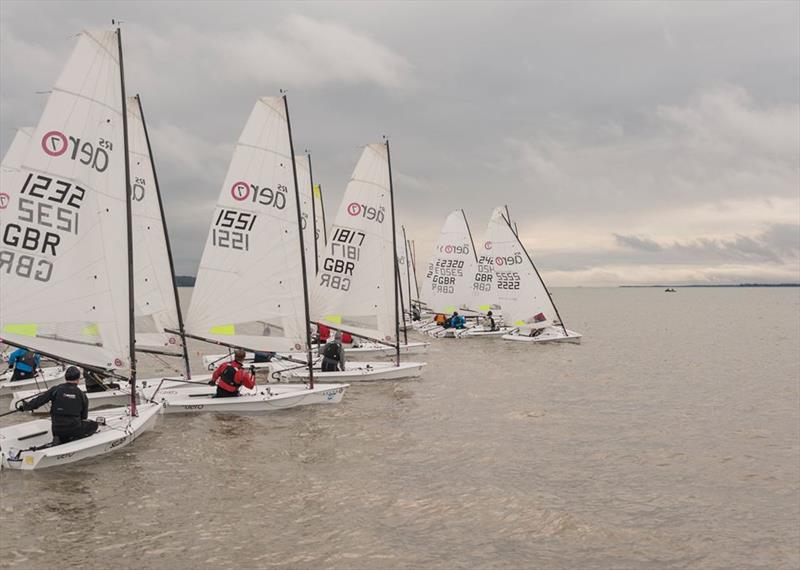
[25,363]
[231,376]
[441,320]
[259,356]
[457,321]
[69,409]
[333,354]
[95,382]
[489,323]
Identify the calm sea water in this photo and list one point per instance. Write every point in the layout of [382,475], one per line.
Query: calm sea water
[668,439]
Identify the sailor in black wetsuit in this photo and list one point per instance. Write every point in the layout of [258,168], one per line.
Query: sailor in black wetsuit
[69,409]
[333,354]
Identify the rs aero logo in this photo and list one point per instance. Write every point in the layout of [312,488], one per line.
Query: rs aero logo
[89,153]
[457,249]
[363,211]
[515,259]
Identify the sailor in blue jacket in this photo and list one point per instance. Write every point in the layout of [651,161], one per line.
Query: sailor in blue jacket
[25,363]
[457,321]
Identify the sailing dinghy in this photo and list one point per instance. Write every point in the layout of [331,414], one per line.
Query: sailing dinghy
[71,297]
[251,289]
[448,282]
[356,290]
[484,292]
[520,290]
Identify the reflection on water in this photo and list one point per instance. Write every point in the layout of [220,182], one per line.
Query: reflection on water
[667,439]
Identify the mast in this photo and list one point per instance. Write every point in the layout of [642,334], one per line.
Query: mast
[313,213]
[408,269]
[166,239]
[472,241]
[549,296]
[515,229]
[322,207]
[394,250]
[302,248]
[414,265]
[129,218]
[399,282]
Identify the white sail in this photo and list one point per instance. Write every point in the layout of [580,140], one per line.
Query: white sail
[483,289]
[155,308]
[13,157]
[306,211]
[451,269]
[355,287]
[63,240]
[320,231]
[249,289]
[518,289]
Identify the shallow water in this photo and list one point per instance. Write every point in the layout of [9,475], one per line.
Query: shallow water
[668,439]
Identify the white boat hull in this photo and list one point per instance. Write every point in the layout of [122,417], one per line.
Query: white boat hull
[116,397]
[52,376]
[365,350]
[355,372]
[120,430]
[262,399]
[372,350]
[480,331]
[548,335]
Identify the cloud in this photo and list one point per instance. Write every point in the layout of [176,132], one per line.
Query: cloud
[719,146]
[673,146]
[299,51]
[637,243]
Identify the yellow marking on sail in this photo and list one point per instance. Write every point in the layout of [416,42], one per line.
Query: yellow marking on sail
[450,309]
[520,323]
[333,319]
[485,307]
[21,329]
[317,191]
[227,330]
[91,330]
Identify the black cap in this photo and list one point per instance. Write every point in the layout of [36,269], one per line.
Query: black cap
[72,374]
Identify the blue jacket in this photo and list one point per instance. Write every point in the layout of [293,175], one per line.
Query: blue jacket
[16,361]
[457,322]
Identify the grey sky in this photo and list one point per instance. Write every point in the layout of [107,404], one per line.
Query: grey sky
[633,142]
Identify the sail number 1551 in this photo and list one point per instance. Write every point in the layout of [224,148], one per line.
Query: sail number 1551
[232,229]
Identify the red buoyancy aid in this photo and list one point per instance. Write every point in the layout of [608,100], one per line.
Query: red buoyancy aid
[347,338]
[231,376]
[324,333]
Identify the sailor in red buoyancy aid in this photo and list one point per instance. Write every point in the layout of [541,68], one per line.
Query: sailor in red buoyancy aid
[231,376]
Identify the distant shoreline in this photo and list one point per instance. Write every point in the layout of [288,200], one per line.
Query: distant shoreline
[718,285]
[185,280]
